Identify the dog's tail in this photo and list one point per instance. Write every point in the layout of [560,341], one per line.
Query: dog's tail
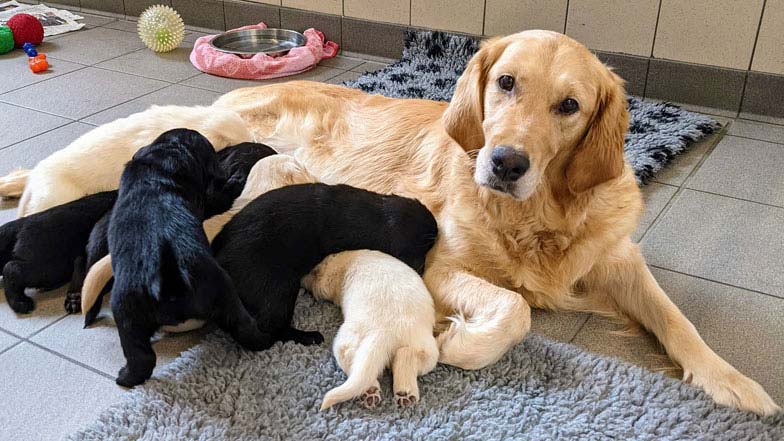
[368,363]
[97,277]
[13,184]
[482,340]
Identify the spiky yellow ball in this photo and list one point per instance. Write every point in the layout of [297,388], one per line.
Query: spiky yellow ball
[161,28]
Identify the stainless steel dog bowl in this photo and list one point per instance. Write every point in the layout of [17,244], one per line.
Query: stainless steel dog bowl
[272,42]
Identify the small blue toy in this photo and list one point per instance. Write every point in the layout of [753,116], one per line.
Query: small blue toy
[29,49]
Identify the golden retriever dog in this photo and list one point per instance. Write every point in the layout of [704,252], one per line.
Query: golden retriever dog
[94,161]
[524,170]
[268,174]
[388,321]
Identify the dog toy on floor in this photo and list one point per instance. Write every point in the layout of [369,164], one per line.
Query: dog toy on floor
[6,40]
[37,62]
[161,28]
[26,29]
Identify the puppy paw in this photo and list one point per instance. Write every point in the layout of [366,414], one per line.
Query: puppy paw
[128,379]
[73,302]
[405,399]
[371,397]
[22,305]
[308,338]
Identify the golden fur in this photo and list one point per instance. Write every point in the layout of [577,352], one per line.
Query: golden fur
[558,239]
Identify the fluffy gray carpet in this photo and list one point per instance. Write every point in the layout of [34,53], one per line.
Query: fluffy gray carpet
[541,390]
[432,62]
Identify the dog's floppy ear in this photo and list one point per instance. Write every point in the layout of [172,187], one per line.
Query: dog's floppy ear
[463,118]
[599,156]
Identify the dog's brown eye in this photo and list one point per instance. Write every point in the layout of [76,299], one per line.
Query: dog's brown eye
[568,106]
[506,82]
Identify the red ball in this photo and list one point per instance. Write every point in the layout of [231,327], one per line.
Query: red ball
[26,29]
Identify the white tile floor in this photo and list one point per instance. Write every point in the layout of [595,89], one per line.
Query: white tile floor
[712,230]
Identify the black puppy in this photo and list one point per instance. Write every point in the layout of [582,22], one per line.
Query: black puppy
[46,249]
[236,162]
[281,236]
[164,272]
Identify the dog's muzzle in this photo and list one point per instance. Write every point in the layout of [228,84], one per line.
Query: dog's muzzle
[507,170]
[508,164]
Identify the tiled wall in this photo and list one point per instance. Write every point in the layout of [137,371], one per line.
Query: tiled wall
[719,53]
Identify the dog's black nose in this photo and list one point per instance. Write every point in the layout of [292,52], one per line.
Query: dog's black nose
[508,163]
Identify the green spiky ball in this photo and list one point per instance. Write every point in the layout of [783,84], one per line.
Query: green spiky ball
[161,28]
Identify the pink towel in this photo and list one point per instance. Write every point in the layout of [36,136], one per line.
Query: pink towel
[262,66]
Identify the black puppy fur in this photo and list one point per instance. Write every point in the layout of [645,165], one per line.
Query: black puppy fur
[236,162]
[46,249]
[281,236]
[164,272]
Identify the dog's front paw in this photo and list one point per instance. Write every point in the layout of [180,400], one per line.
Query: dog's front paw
[310,338]
[405,399]
[22,305]
[126,378]
[731,388]
[73,302]
[371,397]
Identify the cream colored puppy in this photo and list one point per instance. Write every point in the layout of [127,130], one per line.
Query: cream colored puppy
[268,174]
[94,161]
[388,320]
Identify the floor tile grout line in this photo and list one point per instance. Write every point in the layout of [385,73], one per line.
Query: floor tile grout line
[664,268]
[130,73]
[37,110]
[83,66]
[665,208]
[755,139]
[682,187]
[13,345]
[36,135]
[47,326]
[733,197]
[72,360]
[81,120]
[11,333]
[588,316]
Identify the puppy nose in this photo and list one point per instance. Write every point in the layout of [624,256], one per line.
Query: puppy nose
[508,163]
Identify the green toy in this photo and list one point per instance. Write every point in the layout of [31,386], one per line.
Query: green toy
[6,40]
[161,28]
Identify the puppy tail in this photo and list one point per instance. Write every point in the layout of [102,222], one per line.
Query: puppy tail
[368,363]
[13,184]
[97,277]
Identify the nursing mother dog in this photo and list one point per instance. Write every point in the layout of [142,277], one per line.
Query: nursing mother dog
[524,170]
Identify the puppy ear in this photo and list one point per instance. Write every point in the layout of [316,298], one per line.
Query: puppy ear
[463,118]
[599,156]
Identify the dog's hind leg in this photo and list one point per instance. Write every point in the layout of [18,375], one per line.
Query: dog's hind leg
[408,363]
[306,338]
[271,299]
[13,184]
[73,298]
[405,366]
[13,285]
[136,326]
[230,314]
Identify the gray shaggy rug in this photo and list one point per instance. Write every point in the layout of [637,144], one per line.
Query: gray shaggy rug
[432,62]
[541,390]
